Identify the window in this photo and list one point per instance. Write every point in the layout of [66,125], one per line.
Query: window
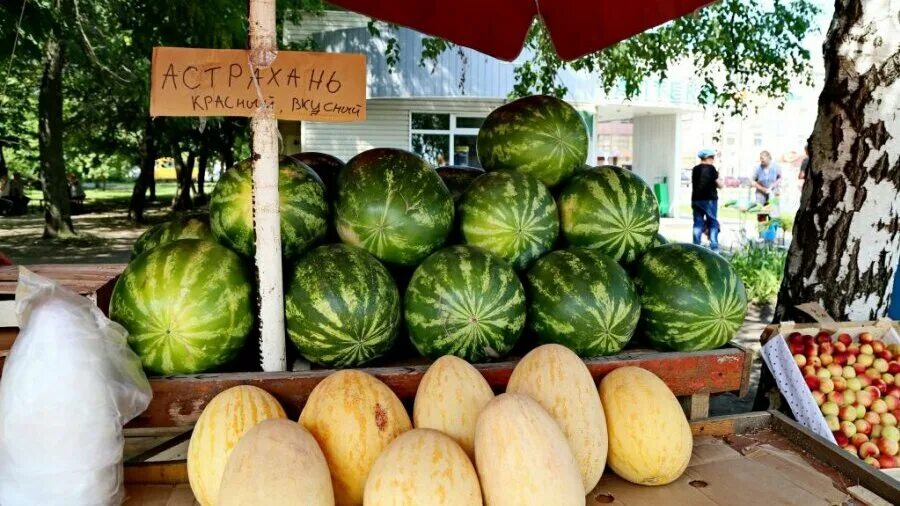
[438,136]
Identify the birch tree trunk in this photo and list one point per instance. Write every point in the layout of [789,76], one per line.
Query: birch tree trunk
[847,232]
[57,209]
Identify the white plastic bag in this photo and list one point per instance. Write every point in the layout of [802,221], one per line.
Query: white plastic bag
[69,385]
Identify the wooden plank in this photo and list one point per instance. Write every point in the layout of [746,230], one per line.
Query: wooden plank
[157,472]
[823,450]
[866,497]
[748,368]
[162,446]
[7,337]
[81,278]
[720,426]
[178,401]
[696,406]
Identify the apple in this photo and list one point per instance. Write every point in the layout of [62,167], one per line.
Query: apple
[841,439]
[866,381]
[876,431]
[835,370]
[860,369]
[880,385]
[839,349]
[865,337]
[827,359]
[850,449]
[893,391]
[824,373]
[866,349]
[847,414]
[826,347]
[860,410]
[886,446]
[819,397]
[826,385]
[858,439]
[894,349]
[844,339]
[850,397]
[880,364]
[872,461]
[812,349]
[894,367]
[888,378]
[885,354]
[862,427]
[795,337]
[851,358]
[874,390]
[814,361]
[865,397]
[796,348]
[869,449]
[873,418]
[891,401]
[830,408]
[878,346]
[813,382]
[853,348]
[823,337]
[890,432]
[837,398]
[887,461]
[832,422]
[810,370]
[897,380]
[870,372]
[847,372]
[887,419]
[839,383]
[855,385]
[848,429]
[866,359]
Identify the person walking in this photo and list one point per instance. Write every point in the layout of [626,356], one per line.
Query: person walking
[705,183]
[766,178]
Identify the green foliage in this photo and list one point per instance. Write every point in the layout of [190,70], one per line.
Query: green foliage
[761,269]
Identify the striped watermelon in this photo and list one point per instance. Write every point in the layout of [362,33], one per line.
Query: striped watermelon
[186,306]
[584,300]
[692,298]
[538,135]
[465,302]
[327,167]
[304,211]
[458,178]
[183,227]
[342,308]
[659,240]
[391,203]
[511,215]
[611,210]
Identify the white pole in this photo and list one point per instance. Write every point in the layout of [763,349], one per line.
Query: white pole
[266,215]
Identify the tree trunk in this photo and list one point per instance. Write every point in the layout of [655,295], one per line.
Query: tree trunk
[4,170]
[227,151]
[202,162]
[146,177]
[183,173]
[847,232]
[57,212]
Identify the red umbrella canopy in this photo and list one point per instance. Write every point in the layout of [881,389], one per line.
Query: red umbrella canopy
[499,27]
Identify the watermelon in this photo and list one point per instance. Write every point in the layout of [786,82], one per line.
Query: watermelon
[510,214]
[463,301]
[611,210]
[304,211]
[186,305]
[538,135]
[393,204]
[342,308]
[458,178]
[659,240]
[692,298]
[183,227]
[584,300]
[327,167]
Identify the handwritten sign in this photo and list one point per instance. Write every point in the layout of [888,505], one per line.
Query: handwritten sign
[219,82]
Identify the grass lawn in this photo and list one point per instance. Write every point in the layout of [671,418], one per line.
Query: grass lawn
[725,213]
[116,191]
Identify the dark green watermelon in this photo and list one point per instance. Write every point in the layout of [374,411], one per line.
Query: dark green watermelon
[393,204]
[609,209]
[584,300]
[466,302]
[304,211]
[659,240]
[342,308]
[195,226]
[327,167]
[187,306]
[692,298]
[458,178]
[511,215]
[538,135]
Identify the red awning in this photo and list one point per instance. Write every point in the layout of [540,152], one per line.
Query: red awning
[499,27]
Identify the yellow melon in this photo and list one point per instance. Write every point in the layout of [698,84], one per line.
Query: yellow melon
[650,440]
[353,417]
[423,466]
[450,397]
[224,420]
[559,381]
[276,463]
[522,456]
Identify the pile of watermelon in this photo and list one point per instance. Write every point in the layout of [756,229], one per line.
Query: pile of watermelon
[385,255]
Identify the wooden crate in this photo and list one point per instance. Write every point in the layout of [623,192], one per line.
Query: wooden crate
[166,482]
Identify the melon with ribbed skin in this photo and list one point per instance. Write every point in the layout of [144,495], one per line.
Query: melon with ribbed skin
[353,417]
[650,441]
[325,166]
[184,227]
[342,308]
[465,302]
[560,382]
[186,305]
[393,204]
[420,467]
[304,211]
[584,300]
[458,178]
[523,457]
[659,240]
[276,463]
[609,209]
[511,215]
[450,397]
[538,135]
[227,417]
[692,299]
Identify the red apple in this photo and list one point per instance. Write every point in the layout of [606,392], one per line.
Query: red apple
[812,382]
[890,432]
[795,337]
[886,446]
[812,349]
[823,337]
[885,354]
[878,346]
[866,359]
[796,348]
[892,401]
[865,380]
[894,367]
[854,384]
[851,358]
[873,418]
[880,364]
[850,449]
[887,461]
[872,461]
[858,439]
[866,337]
[826,347]
[870,372]
[830,408]
[880,385]
[840,358]
[887,419]
[840,384]
[819,397]
[869,449]
[859,368]
[845,339]
[809,370]
[837,398]
[865,397]
[863,427]
[841,439]
[826,385]
[847,414]
[839,349]
[848,429]
[833,422]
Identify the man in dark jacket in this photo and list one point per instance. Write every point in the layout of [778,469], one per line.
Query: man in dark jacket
[705,183]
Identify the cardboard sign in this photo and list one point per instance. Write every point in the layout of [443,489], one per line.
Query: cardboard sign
[219,82]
